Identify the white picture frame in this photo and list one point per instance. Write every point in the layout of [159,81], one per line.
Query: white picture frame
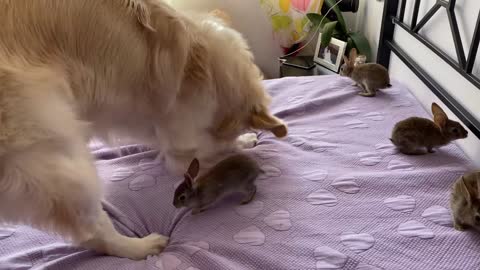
[330,56]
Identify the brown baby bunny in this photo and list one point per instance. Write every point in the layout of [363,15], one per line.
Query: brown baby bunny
[465,201]
[414,135]
[370,77]
[235,174]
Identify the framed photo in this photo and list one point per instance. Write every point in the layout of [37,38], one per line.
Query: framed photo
[330,56]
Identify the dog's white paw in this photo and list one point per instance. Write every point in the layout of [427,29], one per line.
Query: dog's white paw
[152,244]
[246,141]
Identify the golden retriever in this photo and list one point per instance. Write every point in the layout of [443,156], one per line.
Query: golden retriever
[121,69]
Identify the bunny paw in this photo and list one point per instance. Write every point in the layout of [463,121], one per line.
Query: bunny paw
[366,94]
[248,140]
[459,227]
[197,211]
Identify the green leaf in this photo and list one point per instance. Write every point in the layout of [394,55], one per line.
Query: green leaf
[362,44]
[327,33]
[316,18]
[336,9]
[340,35]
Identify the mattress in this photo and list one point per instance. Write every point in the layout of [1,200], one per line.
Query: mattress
[335,195]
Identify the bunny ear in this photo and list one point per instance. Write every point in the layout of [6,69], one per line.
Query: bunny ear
[188,181]
[345,59]
[353,55]
[439,116]
[193,168]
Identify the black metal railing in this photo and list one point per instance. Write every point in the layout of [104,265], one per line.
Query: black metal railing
[461,64]
[394,14]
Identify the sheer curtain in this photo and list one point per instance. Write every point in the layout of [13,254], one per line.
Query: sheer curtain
[288,18]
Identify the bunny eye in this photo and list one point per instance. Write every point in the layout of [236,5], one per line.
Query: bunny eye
[182,197]
[477,219]
[455,130]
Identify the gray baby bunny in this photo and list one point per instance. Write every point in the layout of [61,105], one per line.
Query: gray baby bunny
[370,77]
[235,174]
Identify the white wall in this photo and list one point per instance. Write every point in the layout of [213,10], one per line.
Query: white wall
[368,22]
[249,18]
[251,21]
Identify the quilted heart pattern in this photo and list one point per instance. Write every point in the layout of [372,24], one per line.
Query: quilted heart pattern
[439,215]
[346,184]
[369,158]
[402,203]
[279,220]
[322,197]
[328,258]
[142,182]
[250,210]
[168,262]
[356,124]
[252,236]
[357,242]
[415,228]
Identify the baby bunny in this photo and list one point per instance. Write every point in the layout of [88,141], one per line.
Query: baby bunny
[235,174]
[465,201]
[370,77]
[415,133]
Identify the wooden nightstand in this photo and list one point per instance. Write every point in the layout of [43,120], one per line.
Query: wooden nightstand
[289,71]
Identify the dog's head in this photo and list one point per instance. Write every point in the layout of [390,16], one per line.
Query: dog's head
[221,94]
[242,100]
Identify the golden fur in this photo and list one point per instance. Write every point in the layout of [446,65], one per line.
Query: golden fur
[120,69]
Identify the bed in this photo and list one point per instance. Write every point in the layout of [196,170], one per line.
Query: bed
[335,194]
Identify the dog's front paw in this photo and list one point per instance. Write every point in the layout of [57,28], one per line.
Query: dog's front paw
[152,244]
[246,141]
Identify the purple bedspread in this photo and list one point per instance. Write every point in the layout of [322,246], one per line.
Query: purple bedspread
[335,195]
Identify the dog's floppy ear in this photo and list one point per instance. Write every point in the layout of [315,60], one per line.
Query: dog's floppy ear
[197,60]
[439,116]
[222,15]
[265,121]
[141,11]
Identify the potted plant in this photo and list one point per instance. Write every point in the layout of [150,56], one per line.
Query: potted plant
[338,29]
